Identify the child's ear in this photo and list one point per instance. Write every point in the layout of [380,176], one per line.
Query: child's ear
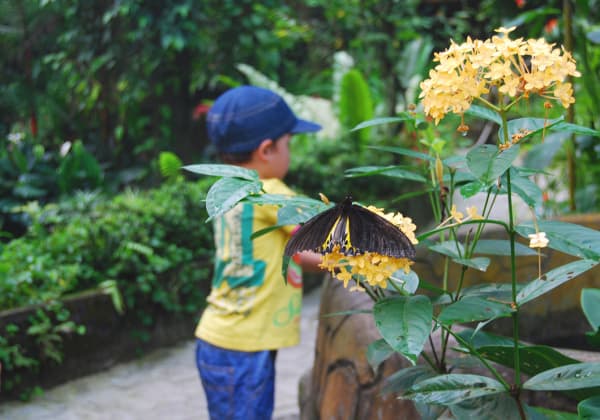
[264,148]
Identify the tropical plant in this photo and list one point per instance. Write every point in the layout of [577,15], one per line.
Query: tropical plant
[484,80]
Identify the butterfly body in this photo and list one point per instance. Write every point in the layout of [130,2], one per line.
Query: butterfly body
[353,230]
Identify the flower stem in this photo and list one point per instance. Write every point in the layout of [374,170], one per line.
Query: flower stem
[513,275]
[513,265]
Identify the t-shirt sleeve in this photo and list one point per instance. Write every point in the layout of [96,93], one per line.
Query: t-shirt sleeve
[276,186]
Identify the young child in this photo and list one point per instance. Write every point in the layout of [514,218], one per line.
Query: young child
[251,311]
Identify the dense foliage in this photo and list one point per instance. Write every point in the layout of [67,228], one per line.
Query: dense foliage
[148,249]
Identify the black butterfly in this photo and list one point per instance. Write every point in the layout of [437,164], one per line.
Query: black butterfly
[355,229]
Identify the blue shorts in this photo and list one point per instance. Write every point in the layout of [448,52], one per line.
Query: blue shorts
[238,384]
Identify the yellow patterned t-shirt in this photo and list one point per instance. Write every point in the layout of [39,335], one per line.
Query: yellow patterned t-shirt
[250,307]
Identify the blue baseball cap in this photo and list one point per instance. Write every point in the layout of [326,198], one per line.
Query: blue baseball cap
[241,118]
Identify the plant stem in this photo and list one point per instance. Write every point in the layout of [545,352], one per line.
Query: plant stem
[513,264]
[474,352]
[513,277]
[468,222]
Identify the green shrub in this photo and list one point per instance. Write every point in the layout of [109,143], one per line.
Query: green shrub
[152,243]
[154,246]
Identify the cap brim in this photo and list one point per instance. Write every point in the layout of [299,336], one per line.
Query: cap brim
[303,126]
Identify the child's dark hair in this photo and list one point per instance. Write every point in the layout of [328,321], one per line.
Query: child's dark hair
[235,158]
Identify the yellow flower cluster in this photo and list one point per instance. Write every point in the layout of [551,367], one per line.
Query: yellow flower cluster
[370,267]
[517,68]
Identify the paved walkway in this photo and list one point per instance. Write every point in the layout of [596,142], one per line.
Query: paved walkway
[163,385]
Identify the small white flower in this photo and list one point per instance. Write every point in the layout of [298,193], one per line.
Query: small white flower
[64,149]
[16,137]
[538,240]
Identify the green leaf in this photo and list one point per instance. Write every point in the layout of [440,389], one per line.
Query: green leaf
[406,377]
[501,247]
[454,250]
[404,152]
[231,171]
[478,263]
[589,409]
[543,413]
[529,192]
[499,406]
[553,279]
[470,189]
[576,129]
[484,113]
[408,282]
[488,163]
[377,352]
[473,308]
[499,292]
[405,323]
[575,376]
[530,126]
[541,155]
[391,171]
[453,389]
[449,248]
[386,120]
[482,338]
[590,304]
[566,237]
[533,359]
[227,192]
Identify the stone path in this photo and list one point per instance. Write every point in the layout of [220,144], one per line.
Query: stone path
[163,385]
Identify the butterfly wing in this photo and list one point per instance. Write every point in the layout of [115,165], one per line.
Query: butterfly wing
[371,232]
[311,236]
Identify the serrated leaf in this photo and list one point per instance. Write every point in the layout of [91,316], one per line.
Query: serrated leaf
[566,237]
[405,323]
[488,163]
[453,389]
[575,376]
[501,247]
[227,192]
[553,279]
[231,171]
[473,308]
